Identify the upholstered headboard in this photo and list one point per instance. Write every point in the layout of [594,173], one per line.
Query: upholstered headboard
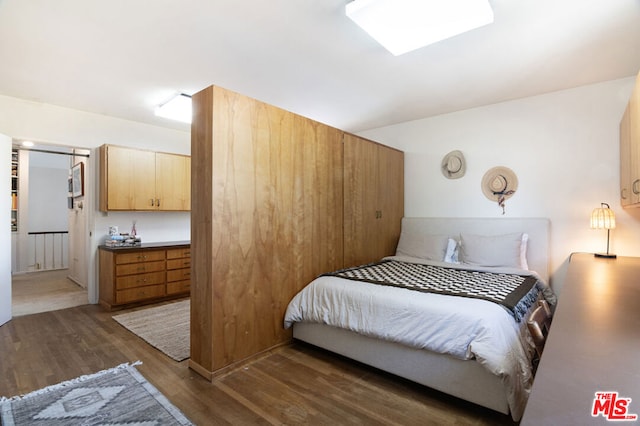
[537,228]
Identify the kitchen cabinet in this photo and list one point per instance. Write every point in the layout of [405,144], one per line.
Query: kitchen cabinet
[143,274]
[373,200]
[630,151]
[133,179]
[178,270]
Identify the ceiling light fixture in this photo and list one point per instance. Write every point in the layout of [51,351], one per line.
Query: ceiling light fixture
[177,108]
[405,25]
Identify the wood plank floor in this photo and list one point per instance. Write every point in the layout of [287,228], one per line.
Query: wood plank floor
[295,384]
[44,291]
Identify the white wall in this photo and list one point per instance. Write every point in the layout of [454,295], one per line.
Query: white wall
[43,123]
[48,188]
[563,146]
[5,232]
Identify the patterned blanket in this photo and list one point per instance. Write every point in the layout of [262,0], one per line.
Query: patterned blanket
[516,293]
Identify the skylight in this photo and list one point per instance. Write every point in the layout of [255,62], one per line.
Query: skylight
[401,26]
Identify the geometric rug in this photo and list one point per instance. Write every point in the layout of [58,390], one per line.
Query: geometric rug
[165,327]
[118,396]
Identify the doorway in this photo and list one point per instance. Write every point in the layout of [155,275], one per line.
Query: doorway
[49,228]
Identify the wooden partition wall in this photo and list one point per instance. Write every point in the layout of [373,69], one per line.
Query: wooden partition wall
[266,219]
[268,215]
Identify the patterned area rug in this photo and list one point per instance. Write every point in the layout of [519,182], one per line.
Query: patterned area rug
[119,396]
[165,327]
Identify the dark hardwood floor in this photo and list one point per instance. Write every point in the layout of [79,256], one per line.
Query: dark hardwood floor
[295,384]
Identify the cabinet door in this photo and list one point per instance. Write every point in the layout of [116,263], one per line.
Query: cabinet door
[625,160]
[390,198]
[130,179]
[360,200]
[634,142]
[173,182]
[373,200]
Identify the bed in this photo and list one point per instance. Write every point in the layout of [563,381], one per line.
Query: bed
[437,339]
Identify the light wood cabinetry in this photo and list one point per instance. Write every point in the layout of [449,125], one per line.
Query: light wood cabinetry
[269,218]
[178,270]
[373,200]
[133,179]
[630,151]
[142,275]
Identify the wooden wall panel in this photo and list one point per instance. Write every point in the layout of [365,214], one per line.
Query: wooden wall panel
[276,222]
[201,359]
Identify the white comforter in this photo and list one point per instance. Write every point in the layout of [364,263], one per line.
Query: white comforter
[463,327]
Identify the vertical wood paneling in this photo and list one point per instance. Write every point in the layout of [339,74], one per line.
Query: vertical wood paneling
[373,200]
[390,198]
[201,233]
[276,221]
[360,200]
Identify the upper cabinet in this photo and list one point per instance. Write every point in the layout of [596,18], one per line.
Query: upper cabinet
[133,179]
[630,151]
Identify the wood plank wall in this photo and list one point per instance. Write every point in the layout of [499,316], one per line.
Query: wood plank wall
[267,211]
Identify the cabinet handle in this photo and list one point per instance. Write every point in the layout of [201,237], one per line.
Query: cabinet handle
[152,202]
[158,202]
[623,193]
[186,263]
[635,186]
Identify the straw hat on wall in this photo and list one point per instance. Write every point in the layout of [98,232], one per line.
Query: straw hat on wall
[499,184]
[453,165]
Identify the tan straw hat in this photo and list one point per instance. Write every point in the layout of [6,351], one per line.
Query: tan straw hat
[499,184]
[453,166]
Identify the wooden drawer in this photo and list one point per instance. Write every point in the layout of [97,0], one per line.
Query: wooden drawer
[178,275]
[178,287]
[140,293]
[139,256]
[139,280]
[178,253]
[139,268]
[178,263]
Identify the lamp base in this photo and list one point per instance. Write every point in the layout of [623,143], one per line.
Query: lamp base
[605,255]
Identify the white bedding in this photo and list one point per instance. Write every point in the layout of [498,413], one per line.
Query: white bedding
[463,327]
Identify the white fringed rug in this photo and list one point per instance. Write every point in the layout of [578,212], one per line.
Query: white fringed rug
[165,327]
[118,396]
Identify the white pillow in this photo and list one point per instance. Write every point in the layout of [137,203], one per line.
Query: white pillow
[523,252]
[507,250]
[428,247]
[451,255]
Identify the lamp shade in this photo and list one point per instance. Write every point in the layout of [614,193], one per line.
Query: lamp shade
[603,217]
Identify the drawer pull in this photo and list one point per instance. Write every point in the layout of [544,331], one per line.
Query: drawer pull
[186,263]
[635,186]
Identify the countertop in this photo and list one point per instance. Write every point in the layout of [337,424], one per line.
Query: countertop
[168,244]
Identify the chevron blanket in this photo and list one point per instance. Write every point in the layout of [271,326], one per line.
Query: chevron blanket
[516,293]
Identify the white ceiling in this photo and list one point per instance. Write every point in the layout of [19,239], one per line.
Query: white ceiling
[122,57]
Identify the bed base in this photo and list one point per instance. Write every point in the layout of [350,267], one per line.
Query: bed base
[467,380]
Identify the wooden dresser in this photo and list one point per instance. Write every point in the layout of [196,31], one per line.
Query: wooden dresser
[593,345]
[144,274]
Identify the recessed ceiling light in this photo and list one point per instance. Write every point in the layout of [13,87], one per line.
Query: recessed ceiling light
[27,143]
[405,25]
[177,108]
